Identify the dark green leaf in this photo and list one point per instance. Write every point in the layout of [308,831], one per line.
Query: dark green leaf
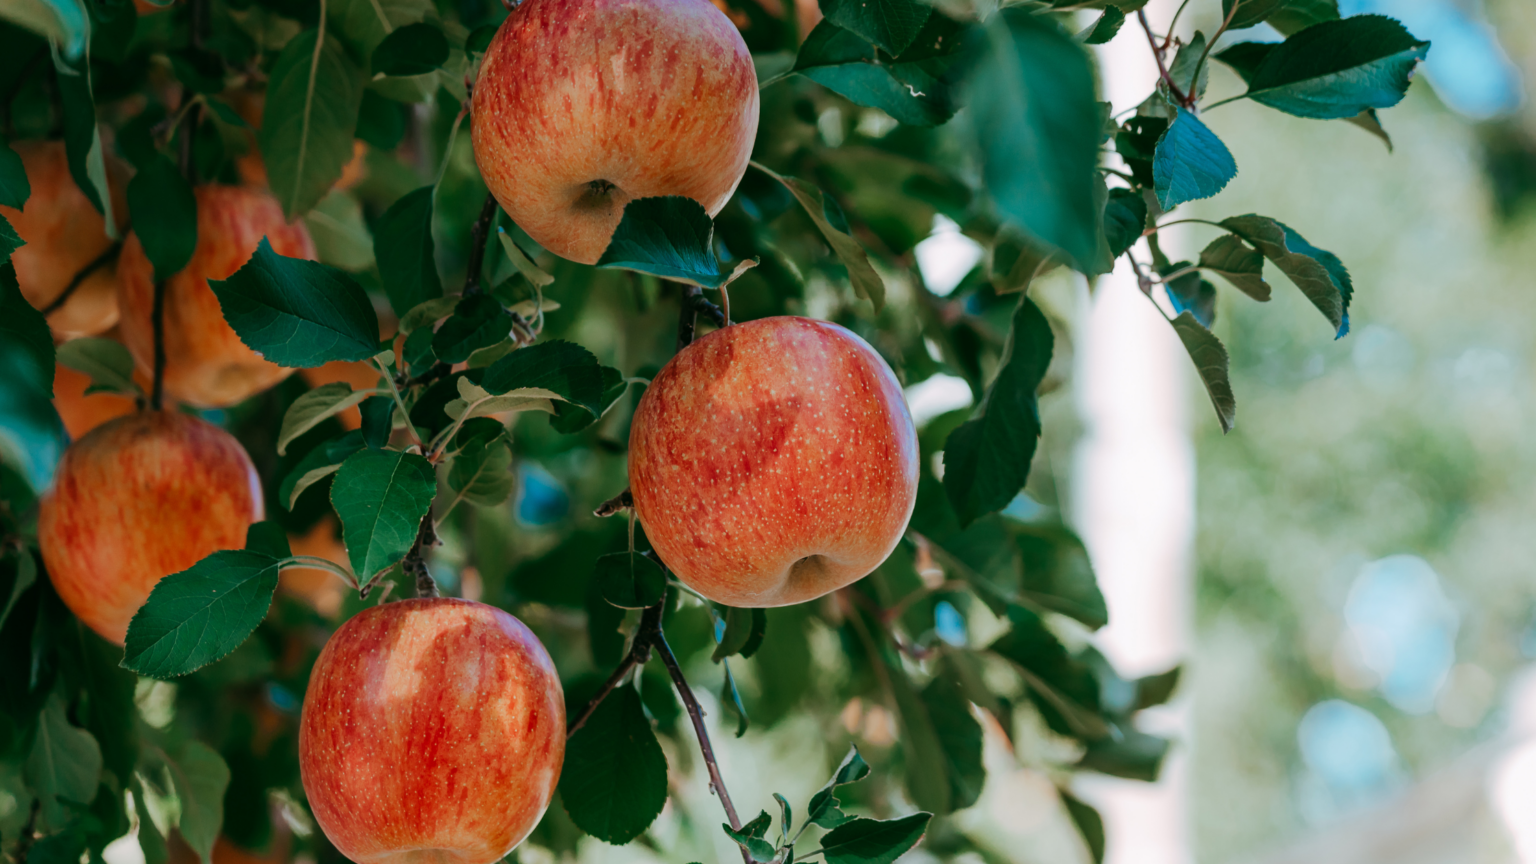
[106,361]
[82,138]
[1089,824]
[1186,66]
[739,631]
[1058,574]
[730,697]
[1298,15]
[823,808]
[478,321]
[564,368]
[1134,755]
[891,24]
[1035,119]
[1211,362]
[1137,144]
[318,464]
[615,778]
[15,189]
[987,458]
[1156,689]
[958,736]
[1234,261]
[197,616]
[381,497]
[630,580]
[1018,260]
[402,244]
[786,817]
[31,434]
[867,841]
[63,766]
[313,95]
[25,577]
[313,408]
[376,415]
[267,538]
[1318,273]
[912,92]
[1245,58]
[1125,217]
[1191,293]
[26,329]
[1249,12]
[414,49]
[865,281]
[570,417]
[1062,688]
[10,241]
[1106,27]
[199,777]
[298,313]
[750,838]
[1190,162]
[1368,121]
[1338,69]
[668,237]
[480,38]
[381,121]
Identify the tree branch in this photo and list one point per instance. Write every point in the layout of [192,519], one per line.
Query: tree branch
[639,654]
[79,278]
[1157,52]
[696,714]
[415,563]
[479,233]
[622,501]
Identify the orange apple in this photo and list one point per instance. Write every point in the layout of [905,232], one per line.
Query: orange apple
[773,461]
[64,233]
[433,732]
[206,363]
[583,105]
[136,499]
[362,376]
[319,588]
[82,412]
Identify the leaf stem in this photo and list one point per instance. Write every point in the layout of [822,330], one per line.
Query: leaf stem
[1226,100]
[1141,15]
[326,564]
[1200,64]
[157,321]
[639,654]
[400,403]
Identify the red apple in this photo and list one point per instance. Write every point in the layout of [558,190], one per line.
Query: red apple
[773,462]
[433,731]
[206,363]
[584,105]
[136,499]
[64,233]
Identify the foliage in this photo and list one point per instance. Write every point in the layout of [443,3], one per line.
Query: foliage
[498,415]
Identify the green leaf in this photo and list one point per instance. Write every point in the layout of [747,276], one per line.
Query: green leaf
[570,417]
[750,838]
[1134,755]
[63,766]
[913,91]
[381,497]
[615,778]
[10,241]
[1318,273]
[1190,162]
[1125,217]
[1338,69]
[1232,259]
[670,237]
[478,321]
[1089,824]
[427,312]
[868,841]
[31,434]
[531,271]
[891,24]
[1035,120]
[26,577]
[1245,58]
[312,409]
[200,778]
[340,233]
[1137,144]
[414,49]
[376,417]
[268,538]
[1249,12]
[1192,293]
[630,580]
[364,24]
[15,188]
[823,808]
[1157,689]
[1298,15]
[197,616]
[61,21]
[560,367]
[26,329]
[1186,65]
[987,458]
[1064,690]
[738,631]
[942,741]
[317,464]
[381,121]
[481,473]
[786,817]
[82,139]
[403,246]
[106,361]
[1058,574]
[1018,260]
[480,38]
[1211,362]
[298,313]
[314,93]
[1105,28]
[730,697]
[1368,121]
[866,282]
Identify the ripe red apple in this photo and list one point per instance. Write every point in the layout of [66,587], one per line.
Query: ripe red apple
[136,499]
[433,731]
[584,105]
[773,462]
[206,363]
[64,233]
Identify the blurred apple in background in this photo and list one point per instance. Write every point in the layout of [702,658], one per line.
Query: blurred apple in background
[139,498]
[64,234]
[583,105]
[206,363]
[82,412]
[362,376]
[321,589]
[773,461]
[433,731]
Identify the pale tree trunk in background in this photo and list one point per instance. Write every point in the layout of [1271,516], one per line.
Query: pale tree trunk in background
[1135,501]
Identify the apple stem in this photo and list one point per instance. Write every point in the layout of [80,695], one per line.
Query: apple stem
[479,233]
[157,314]
[622,501]
[691,304]
[415,562]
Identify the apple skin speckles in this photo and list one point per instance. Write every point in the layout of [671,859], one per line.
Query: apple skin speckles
[433,729]
[656,97]
[774,461]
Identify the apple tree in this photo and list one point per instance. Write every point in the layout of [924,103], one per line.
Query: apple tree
[426,260]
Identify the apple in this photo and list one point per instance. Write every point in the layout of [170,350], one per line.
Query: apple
[206,363]
[64,233]
[136,499]
[773,461]
[583,105]
[361,376]
[80,411]
[433,730]
[320,589]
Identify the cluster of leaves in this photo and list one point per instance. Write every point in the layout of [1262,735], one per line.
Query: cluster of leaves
[490,427]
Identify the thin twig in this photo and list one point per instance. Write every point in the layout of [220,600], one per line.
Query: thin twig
[687,315]
[157,318]
[696,714]
[479,233]
[620,502]
[1157,52]
[1194,81]
[79,278]
[639,654]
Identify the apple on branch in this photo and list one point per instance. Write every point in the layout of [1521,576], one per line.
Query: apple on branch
[433,732]
[773,461]
[584,105]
